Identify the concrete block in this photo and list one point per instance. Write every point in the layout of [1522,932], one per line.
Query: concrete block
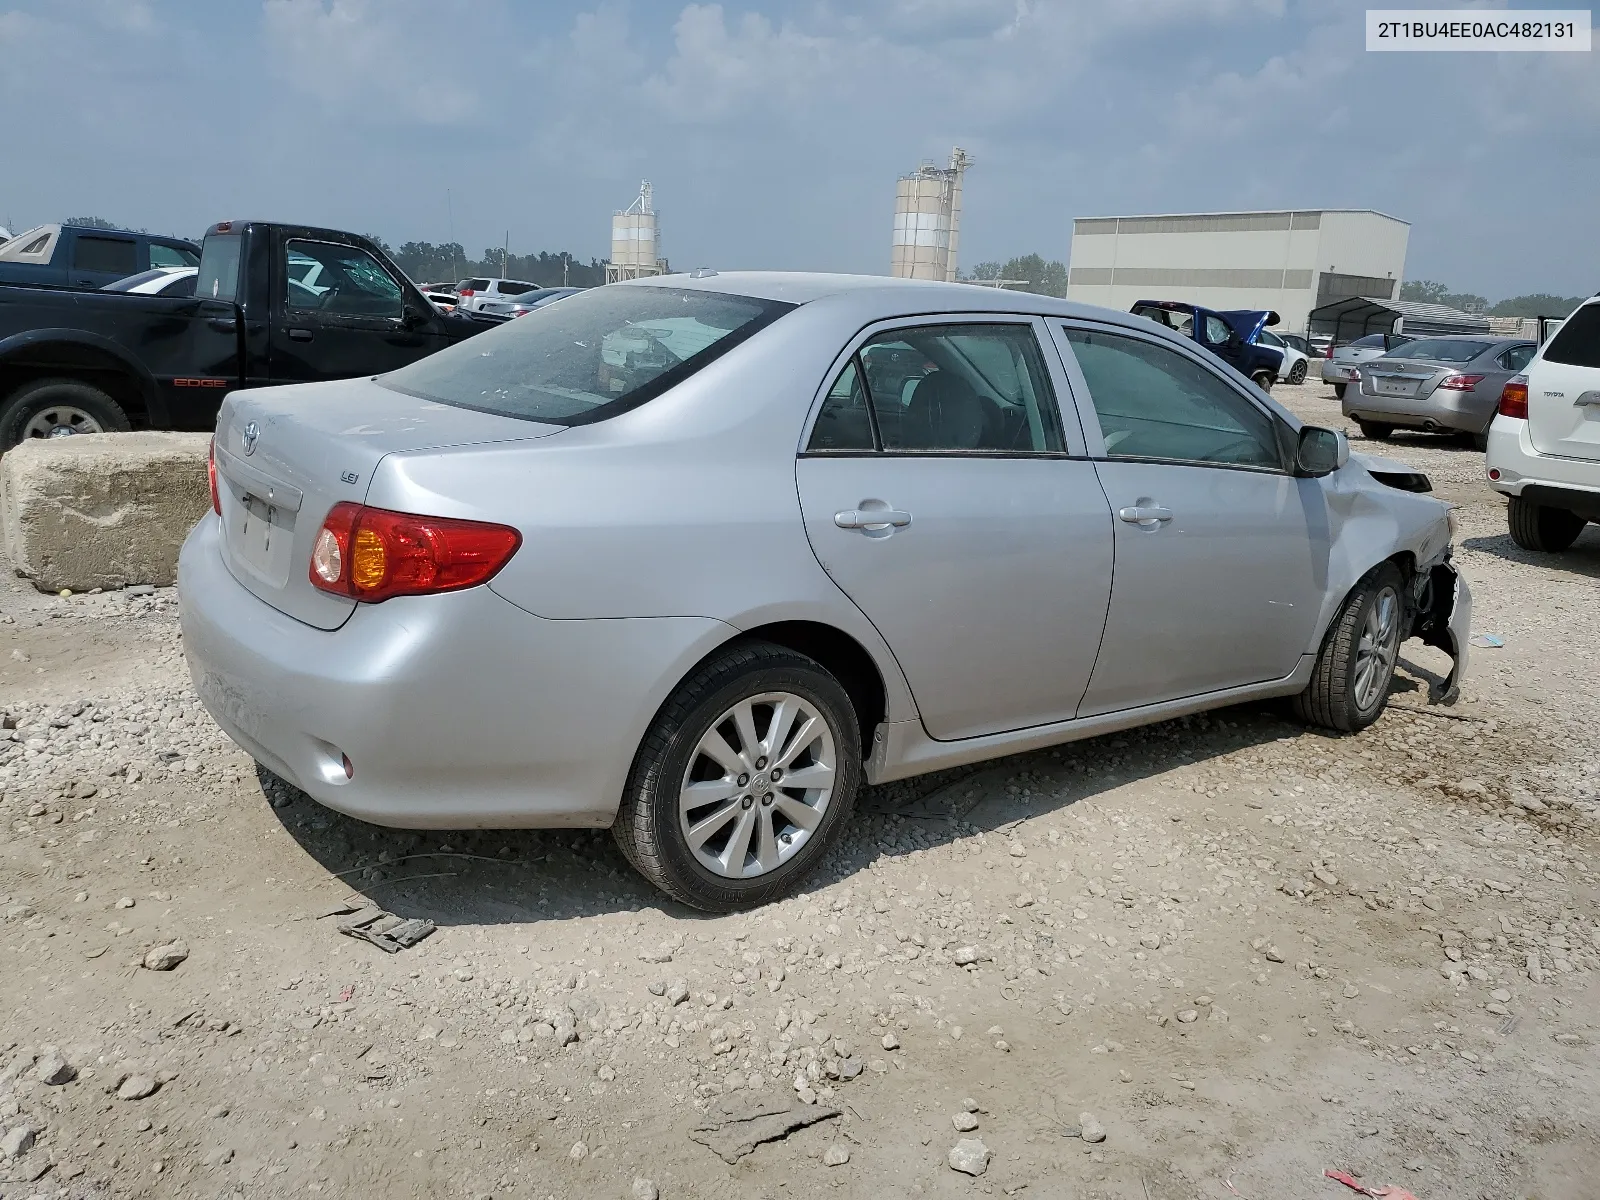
[102,510]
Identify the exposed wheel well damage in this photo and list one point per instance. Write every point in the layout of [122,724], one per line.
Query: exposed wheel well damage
[842,657]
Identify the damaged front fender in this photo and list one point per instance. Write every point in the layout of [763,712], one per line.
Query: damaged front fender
[1446,622]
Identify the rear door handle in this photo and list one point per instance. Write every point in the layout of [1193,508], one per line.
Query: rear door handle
[299,335]
[872,518]
[1148,515]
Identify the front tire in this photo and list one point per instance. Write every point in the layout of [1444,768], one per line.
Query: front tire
[1350,683]
[744,780]
[1541,528]
[1297,373]
[57,408]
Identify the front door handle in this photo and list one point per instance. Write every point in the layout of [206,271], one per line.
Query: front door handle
[299,335]
[223,324]
[1146,515]
[872,518]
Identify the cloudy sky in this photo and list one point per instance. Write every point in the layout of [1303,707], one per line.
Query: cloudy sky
[773,130]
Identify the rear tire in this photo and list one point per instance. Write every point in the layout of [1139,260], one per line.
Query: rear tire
[1376,431]
[58,407]
[1265,379]
[742,685]
[1297,373]
[1541,528]
[1338,390]
[1350,684]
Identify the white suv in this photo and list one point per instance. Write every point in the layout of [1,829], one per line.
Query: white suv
[1544,444]
[474,293]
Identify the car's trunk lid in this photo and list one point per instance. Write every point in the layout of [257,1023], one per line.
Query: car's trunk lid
[285,456]
[1383,377]
[1564,389]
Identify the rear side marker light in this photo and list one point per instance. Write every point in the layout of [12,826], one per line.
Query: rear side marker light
[1494,472]
[1514,398]
[372,554]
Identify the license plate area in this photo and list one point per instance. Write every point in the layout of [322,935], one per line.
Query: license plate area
[1395,387]
[261,536]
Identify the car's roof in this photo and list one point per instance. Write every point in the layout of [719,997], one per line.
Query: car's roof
[803,287]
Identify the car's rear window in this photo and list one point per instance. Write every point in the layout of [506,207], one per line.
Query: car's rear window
[1577,343]
[1372,339]
[1450,350]
[513,287]
[597,353]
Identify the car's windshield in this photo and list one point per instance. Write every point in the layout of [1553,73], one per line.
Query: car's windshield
[1450,350]
[598,353]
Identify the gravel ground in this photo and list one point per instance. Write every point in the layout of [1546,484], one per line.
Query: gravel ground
[1219,949]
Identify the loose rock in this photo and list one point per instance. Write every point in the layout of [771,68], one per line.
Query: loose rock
[969,1156]
[165,958]
[137,1087]
[54,1069]
[836,1155]
[1092,1130]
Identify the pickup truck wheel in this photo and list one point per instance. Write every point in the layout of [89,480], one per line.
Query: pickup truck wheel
[1265,379]
[1540,527]
[58,408]
[1350,683]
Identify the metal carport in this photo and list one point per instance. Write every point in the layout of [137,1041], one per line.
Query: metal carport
[1355,316]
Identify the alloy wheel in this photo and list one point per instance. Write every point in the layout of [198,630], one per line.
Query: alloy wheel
[1379,645]
[60,420]
[757,785]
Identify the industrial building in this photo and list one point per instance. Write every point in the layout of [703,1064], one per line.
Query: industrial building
[636,239]
[1291,261]
[927,220]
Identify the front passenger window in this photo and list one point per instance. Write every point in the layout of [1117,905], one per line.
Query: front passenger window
[1155,403]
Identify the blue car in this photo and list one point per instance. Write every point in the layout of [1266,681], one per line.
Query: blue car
[1231,336]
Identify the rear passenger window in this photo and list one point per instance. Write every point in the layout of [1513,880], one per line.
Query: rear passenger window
[976,388]
[1516,358]
[1577,344]
[844,422]
[1154,403]
[113,256]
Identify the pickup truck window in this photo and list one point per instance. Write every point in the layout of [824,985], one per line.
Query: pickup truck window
[339,281]
[115,256]
[219,267]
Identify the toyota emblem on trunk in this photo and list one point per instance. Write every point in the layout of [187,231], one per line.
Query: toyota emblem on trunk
[251,432]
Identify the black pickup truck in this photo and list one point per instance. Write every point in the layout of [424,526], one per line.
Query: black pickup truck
[272,304]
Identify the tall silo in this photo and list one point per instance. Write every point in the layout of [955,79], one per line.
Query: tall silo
[927,220]
[636,240]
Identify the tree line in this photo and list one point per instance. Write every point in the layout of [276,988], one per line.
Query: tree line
[427,263]
[1535,304]
[1027,273]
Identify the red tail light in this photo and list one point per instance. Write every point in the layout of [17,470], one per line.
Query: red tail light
[1514,398]
[1460,383]
[371,554]
[466,294]
[1328,353]
[211,474]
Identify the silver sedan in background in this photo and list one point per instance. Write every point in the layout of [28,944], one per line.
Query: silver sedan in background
[690,557]
[1339,367]
[1438,385]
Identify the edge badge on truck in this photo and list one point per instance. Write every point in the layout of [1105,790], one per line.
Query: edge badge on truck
[200,383]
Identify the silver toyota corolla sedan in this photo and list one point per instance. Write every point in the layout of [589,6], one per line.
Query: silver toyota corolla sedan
[691,557]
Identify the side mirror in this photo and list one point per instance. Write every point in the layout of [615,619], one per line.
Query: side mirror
[1320,451]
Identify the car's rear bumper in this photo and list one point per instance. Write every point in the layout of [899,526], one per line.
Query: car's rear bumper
[1334,371]
[1463,412]
[1515,468]
[455,711]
